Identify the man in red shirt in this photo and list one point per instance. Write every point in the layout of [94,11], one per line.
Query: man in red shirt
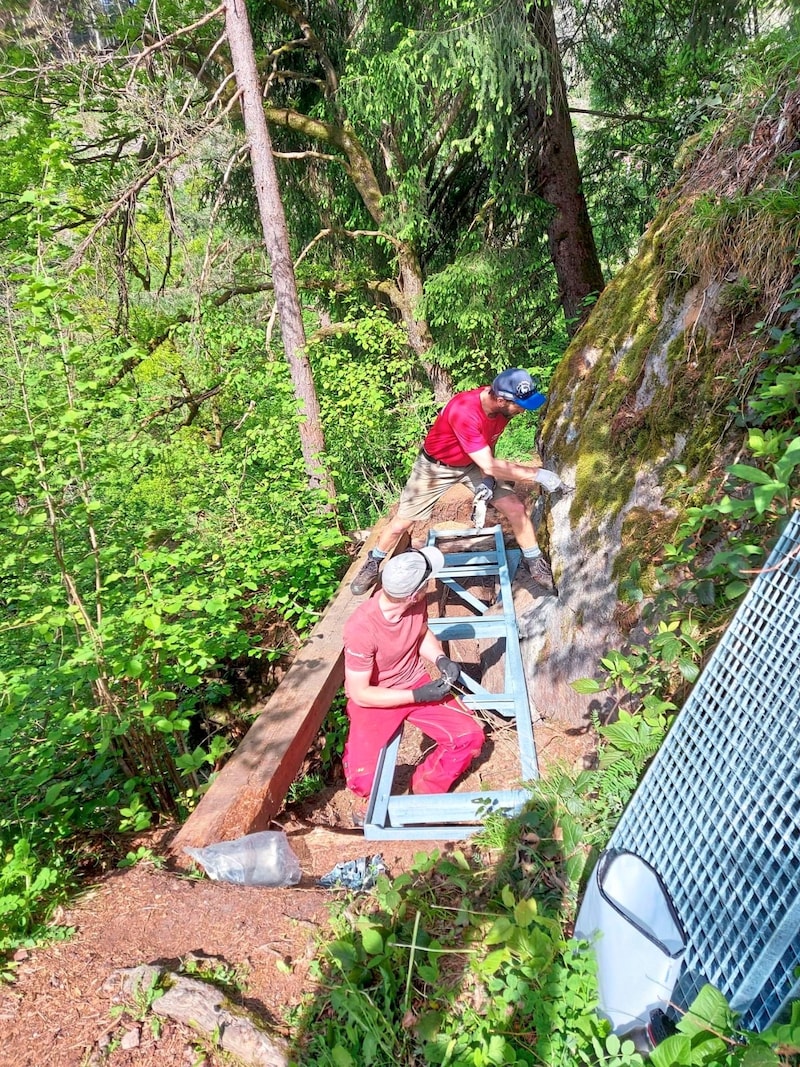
[460,447]
[386,681]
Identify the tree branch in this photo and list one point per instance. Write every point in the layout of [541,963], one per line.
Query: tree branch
[620,118]
[192,402]
[140,182]
[162,41]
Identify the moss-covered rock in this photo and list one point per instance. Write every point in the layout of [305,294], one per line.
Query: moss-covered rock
[640,421]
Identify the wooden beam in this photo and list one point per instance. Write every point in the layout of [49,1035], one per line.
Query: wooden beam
[250,789]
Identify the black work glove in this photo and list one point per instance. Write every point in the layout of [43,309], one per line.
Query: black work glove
[431,692]
[448,669]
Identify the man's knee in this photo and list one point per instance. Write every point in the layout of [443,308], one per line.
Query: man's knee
[511,506]
[471,740]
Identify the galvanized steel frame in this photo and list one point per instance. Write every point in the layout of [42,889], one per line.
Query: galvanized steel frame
[452,816]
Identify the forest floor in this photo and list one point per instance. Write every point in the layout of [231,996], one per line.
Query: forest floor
[60,1009]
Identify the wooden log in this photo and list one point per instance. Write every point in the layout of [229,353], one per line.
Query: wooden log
[250,789]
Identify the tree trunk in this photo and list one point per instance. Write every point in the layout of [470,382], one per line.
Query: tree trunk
[406,299]
[570,237]
[276,239]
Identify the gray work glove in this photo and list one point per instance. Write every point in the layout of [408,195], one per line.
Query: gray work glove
[431,692]
[483,494]
[485,490]
[448,668]
[548,480]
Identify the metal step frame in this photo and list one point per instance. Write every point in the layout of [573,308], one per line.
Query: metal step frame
[453,816]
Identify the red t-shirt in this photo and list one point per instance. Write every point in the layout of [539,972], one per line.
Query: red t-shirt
[463,427]
[388,650]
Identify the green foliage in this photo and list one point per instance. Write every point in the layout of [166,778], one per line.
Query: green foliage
[722,540]
[29,891]
[376,410]
[493,309]
[143,854]
[231,980]
[658,74]
[438,969]
[149,548]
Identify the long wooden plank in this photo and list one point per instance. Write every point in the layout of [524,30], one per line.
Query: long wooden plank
[250,789]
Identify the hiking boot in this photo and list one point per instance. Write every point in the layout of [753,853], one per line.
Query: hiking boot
[366,577]
[539,570]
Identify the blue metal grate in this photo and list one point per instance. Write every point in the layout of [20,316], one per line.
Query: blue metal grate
[718,812]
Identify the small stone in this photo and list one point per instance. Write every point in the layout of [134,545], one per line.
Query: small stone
[131,1039]
[20,955]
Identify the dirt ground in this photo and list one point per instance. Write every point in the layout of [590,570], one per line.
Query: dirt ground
[57,1012]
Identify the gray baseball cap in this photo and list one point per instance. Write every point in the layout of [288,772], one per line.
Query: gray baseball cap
[403,575]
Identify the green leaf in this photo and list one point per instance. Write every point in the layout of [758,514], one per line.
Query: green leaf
[526,912]
[760,1055]
[689,670]
[372,941]
[674,1051]
[733,590]
[501,930]
[749,474]
[708,1011]
[495,960]
[429,1024]
[586,685]
[763,495]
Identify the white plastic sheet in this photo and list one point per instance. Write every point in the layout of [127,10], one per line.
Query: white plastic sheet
[637,937]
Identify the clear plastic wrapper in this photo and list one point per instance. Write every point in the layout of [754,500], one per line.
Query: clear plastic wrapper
[263,858]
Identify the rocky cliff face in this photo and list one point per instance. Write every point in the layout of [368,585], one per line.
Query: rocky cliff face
[642,412]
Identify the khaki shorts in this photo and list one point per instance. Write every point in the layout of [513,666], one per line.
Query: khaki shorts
[428,482]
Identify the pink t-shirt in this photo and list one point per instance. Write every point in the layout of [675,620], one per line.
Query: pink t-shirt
[388,650]
[463,427]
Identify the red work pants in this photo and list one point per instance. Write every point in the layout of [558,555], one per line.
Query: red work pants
[459,739]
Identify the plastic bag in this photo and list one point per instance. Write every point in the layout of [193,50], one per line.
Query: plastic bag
[264,858]
[637,937]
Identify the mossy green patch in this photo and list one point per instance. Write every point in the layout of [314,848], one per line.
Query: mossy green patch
[607,359]
[644,534]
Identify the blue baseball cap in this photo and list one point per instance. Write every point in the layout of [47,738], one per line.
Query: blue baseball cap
[517,385]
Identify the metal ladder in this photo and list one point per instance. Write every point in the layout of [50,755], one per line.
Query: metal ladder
[452,816]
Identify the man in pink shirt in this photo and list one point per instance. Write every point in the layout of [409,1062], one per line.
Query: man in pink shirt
[460,447]
[387,683]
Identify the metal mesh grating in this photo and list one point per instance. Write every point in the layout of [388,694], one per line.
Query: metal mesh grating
[718,812]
